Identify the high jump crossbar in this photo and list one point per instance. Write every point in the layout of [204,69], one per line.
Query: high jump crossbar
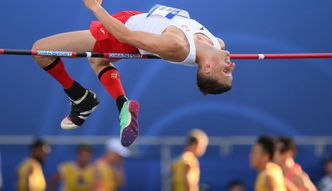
[139,56]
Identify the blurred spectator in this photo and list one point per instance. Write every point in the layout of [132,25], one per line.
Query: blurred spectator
[325,184]
[30,173]
[205,187]
[295,178]
[236,185]
[76,175]
[110,169]
[1,181]
[270,177]
[185,169]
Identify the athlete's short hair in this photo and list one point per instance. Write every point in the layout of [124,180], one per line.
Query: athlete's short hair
[235,183]
[84,147]
[191,140]
[328,160]
[287,144]
[208,85]
[197,136]
[37,143]
[268,145]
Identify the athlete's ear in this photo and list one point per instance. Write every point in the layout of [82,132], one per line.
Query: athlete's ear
[207,68]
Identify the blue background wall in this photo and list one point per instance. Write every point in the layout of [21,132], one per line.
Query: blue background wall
[290,97]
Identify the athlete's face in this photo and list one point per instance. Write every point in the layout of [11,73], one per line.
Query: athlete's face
[237,188]
[257,156]
[201,148]
[222,68]
[42,152]
[279,157]
[84,156]
[114,158]
[328,168]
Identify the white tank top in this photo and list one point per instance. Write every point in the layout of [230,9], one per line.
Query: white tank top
[160,17]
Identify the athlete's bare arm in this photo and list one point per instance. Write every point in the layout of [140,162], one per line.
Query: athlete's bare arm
[186,180]
[309,184]
[54,181]
[120,176]
[169,46]
[290,185]
[303,181]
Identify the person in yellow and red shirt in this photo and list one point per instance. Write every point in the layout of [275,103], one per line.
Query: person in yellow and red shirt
[295,177]
[79,175]
[185,169]
[30,176]
[270,177]
[110,171]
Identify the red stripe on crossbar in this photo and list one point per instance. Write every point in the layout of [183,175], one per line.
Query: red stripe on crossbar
[282,56]
[34,53]
[244,56]
[2,51]
[298,56]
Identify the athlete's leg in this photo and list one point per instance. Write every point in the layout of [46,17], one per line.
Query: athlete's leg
[83,101]
[110,78]
[70,41]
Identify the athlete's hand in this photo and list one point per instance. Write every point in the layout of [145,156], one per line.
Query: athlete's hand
[92,4]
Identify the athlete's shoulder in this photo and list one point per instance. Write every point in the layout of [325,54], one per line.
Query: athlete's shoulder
[273,169]
[25,166]
[26,162]
[66,166]
[67,163]
[91,167]
[189,157]
[272,166]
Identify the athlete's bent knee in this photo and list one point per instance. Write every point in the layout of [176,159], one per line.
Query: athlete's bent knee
[40,45]
[42,60]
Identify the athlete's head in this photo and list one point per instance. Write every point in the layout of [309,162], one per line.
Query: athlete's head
[39,150]
[328,166]
[236,185]
[197,142]
[262,152]
[214,75]
[285,149]
[115,152]
[84,154]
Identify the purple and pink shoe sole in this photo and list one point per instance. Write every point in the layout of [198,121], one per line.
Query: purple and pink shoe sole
[130,133]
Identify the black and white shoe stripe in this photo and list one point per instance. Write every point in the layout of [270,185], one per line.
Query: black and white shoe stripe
[80,110]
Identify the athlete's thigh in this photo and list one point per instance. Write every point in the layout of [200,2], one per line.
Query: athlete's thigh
[69,41]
